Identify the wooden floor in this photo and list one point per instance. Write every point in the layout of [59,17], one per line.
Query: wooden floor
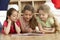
[21,37]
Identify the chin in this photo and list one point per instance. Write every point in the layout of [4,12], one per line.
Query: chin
[43,20]
[27,20]
[14,20]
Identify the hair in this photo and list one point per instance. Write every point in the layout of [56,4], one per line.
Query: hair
[33,22]
[9,12]
[28,7]
[46,9]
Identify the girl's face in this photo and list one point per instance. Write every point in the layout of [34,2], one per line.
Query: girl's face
[43,15]
[14,16]
[27,15]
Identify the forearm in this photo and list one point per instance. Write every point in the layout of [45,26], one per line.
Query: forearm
[7,29]
[29,30]
[18,30]
[51,30]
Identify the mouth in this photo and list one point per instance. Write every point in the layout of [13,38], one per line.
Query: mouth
[27,19]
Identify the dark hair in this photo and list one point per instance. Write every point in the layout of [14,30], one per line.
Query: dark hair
[9,12]
[33,22]
[28,7]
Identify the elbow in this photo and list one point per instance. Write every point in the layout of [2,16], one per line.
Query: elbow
[53,30]
[18,31]
[6,33]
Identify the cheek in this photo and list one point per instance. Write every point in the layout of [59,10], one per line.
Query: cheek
[41,17]
[13,18]
[30,17]
[25,16]
[46,16]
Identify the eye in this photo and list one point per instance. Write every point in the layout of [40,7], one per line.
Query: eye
[25,14]
[43,15]
[13,16]
[39,14]
[30,14]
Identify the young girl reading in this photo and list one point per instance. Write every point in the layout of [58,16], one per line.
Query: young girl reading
[45,20]
[11,24]
[28,22]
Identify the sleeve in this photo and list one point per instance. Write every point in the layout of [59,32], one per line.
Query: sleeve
[51,20]
[18,23]
[38,20]
[5,24]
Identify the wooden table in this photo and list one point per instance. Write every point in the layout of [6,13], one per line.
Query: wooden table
[35,37]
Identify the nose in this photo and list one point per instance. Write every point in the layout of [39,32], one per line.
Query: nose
[41,16]
[15,17]
[28,17]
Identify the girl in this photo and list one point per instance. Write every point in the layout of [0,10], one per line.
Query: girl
[11,24]
[28,22]
[45,19]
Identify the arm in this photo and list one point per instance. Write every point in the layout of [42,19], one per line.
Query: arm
[57,25]
[43,30]
[40,27]
[27,30]
[7,29]
[18,30]
[51,30]
[24,29]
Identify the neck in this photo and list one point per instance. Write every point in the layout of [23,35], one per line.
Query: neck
[26,21]
[45,20]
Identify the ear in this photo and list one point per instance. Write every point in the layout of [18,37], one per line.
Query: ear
[8,17]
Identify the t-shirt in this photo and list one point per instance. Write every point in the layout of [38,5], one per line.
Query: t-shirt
[12,29]
[48,24]
[24,24]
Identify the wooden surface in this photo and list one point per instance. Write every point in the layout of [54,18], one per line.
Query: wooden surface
[21,37]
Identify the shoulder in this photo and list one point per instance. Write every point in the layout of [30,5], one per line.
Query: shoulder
[5,23]
[51,20]
[18,22]
[38,19]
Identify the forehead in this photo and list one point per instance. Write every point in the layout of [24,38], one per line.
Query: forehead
[42,12]
[14,13]
[28,12]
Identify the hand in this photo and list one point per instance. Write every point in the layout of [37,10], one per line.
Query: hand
[30,30]
[9,21]
[15,20]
